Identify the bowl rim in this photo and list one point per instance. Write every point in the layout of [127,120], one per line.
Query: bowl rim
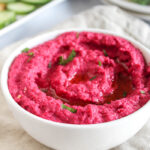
[15,105]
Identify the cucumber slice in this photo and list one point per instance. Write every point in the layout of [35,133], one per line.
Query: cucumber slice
[36,2]
[6,18]
[7,1]
[20,8]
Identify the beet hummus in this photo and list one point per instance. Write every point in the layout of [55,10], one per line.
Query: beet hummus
[80,78]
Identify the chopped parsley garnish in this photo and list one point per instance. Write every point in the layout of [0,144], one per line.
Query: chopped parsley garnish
[99,62]
[29,59]
[25,50]
[77,35]
[92,78]
[31,54]
[49,65]
[105,53]
[69,108]
[124,94]
[142,92]
[63,61]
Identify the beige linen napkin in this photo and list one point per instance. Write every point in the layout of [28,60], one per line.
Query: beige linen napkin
[13,137]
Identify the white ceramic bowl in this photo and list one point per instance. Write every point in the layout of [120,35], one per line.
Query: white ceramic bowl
[62,136]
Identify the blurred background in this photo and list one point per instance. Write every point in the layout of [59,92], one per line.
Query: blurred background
[44,18]
[48,18]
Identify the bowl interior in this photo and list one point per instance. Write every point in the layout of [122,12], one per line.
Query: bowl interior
[45,37]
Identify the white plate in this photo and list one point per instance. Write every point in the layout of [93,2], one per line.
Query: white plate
[24,19]
[131,6]
[139,15]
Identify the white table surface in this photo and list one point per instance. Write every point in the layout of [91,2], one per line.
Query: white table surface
[47,20]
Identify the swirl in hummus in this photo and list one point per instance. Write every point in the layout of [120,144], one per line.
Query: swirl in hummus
[80,78]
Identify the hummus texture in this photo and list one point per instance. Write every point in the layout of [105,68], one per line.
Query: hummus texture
[80,78]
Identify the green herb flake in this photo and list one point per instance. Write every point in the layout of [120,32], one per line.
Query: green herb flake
[29,59]
[93,78]
[77,35]
[142,92]
[49,65]
[69,108]
[31,54]
[63,61]
[124,94]
[99,62]
[25,50]
[105,53]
